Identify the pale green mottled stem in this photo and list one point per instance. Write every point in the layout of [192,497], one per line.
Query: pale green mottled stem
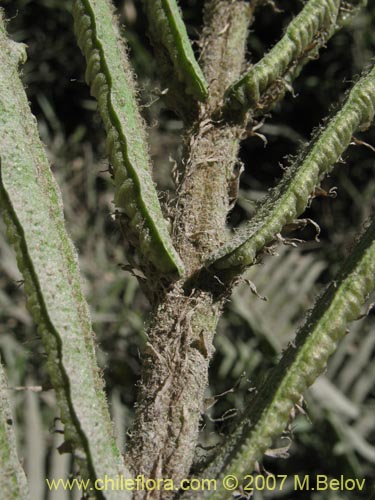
[111,81]
[167,27]
[303,361]
[265,82]
[290,197]
[13,483]
[32,209]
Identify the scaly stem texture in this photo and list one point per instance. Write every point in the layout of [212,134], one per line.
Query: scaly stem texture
[175,367]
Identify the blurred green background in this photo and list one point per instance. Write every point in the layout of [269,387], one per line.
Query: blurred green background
[337,434]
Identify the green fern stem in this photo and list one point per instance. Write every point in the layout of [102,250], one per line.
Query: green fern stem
[167,27]
[266,82]
[302,362]
[110,77]
[290,197]
[32,210]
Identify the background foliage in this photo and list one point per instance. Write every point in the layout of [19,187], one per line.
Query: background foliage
[338,436]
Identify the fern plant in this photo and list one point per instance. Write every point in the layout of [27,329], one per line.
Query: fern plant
[188,265]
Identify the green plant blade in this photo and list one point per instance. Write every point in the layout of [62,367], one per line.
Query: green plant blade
[290,197]
[303,361]
[110,78]
[32,209]
[167,27]
[13,483]
[266,82]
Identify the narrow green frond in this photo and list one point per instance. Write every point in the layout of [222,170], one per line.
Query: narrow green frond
[110,77]
[266,82]
[303,361]
[290,197]
[32,209]
[167,28]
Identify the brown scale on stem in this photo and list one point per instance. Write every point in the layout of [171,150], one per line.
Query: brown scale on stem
[175,366]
